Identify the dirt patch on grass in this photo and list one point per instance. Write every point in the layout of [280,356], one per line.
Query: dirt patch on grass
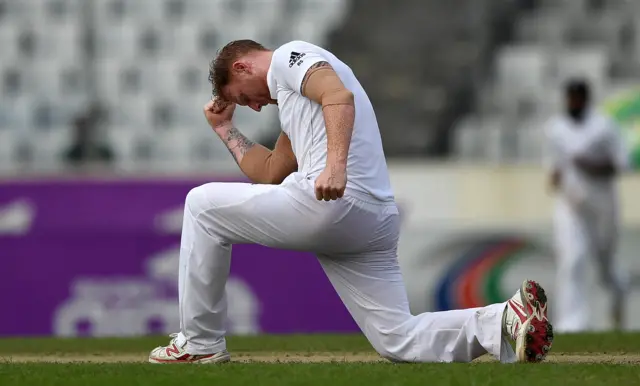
[236,357]
[620,358]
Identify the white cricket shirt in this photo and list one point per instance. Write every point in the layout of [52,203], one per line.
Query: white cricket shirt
[302,120]
[596,138]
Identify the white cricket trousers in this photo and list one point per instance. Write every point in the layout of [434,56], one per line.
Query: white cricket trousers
[581,233]
[356,244]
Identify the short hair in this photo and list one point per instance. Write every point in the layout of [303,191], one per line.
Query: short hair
[578,88]
[220,66]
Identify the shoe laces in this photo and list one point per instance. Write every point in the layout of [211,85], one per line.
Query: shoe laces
[514,327]
[174,339]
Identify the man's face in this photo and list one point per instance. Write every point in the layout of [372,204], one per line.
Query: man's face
[246,88]
[576,105]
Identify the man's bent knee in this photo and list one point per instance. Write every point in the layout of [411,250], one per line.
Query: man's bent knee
[196,201]
[208,196]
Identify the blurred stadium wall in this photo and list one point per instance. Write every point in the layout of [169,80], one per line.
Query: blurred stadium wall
[102,135]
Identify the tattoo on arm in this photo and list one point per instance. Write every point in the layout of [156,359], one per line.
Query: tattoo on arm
[237,144]
[310,71]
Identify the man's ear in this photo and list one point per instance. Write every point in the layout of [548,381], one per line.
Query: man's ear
[239,67]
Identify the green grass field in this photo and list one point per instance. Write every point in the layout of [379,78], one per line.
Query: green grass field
[332,360]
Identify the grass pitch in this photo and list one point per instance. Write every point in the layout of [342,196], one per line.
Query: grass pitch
[333,360]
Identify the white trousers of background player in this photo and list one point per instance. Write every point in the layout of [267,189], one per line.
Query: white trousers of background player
[356,244]
[589,231]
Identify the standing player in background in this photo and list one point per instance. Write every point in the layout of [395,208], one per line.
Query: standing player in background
[324,189]
[586,156]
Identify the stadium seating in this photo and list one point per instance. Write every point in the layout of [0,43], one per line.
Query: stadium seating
[145,61]
[427,66]
[557,40]
[419,63]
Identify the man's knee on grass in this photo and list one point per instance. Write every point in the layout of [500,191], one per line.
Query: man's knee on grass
[387,346]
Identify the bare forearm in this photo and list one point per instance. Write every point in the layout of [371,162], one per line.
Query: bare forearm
[339,120]
[261,165]
[235,141]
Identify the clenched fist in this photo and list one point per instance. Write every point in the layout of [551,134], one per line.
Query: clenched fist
[219,113]
[331,183]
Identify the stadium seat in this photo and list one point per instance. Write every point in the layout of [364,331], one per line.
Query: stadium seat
[205,147]
[566,7]
[210,40]
[623,6]
[240,20]
[176,11]
[521,76]
[15,113]
[522,66]
[171,149]
[190,109]
[186,41]
[47,112]
[315,18]
[55,12]
[8,145]
[153,11]
[134,41]
[164,113]
[259,19]
[151,69]
[130,41]
[49,145]
[157,42]
[468,139]
[495,143]
[545,28]
[558,40]
[110,13]
[590,62]
[15,11]
[254,124]
[59,80]
[124,78]
[181,76]
[131,111]
[617,35]
[636,39]
[10,31]
[326,13]
[530,140]
[203,12]
[132,147]
[553,103]
[15,79]
[59,42]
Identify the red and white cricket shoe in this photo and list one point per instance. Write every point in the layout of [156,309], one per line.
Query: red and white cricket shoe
[176,352]
[525,321]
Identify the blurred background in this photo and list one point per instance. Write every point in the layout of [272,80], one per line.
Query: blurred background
[102,136]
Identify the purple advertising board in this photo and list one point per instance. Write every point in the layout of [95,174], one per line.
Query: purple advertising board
[99,258]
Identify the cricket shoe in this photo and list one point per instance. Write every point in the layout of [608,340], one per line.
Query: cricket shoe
[176,352]
[525,321]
